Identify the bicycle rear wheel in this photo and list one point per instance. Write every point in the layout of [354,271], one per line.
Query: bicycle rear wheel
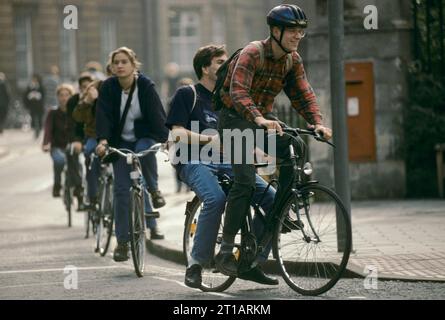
[312,241]
[212,279]
[106,219]
[137,231]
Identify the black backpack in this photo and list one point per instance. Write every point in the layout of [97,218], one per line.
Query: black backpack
[221,74]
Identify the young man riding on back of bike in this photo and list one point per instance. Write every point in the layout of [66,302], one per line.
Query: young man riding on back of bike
[248,95]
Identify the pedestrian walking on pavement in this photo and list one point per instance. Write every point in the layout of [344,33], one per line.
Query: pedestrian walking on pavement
[34,102]
[5,97]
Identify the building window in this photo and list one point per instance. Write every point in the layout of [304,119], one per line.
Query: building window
[108,39]
[185,37]
[68,55]
[23,45]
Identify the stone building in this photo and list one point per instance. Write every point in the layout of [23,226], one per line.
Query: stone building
[162,31]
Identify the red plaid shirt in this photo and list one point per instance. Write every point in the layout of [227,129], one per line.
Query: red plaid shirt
[251,93]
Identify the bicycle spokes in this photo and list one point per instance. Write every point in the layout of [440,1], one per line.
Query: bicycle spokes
[308,247]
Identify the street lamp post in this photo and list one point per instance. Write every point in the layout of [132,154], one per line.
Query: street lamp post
[338,103]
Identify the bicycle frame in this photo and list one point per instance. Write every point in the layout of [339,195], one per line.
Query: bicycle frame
[297,162]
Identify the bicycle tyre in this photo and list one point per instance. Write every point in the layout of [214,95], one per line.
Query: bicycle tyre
[212,280]
[107,219]
[320,209]
[68,201]
[87,224]
[137,231]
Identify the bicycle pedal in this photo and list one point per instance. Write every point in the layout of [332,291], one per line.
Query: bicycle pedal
[152,215]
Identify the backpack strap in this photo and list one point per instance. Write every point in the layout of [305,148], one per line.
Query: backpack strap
[260,47]
[195,97]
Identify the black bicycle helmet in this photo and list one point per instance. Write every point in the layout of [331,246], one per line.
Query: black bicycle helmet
[287,15]
[284,16]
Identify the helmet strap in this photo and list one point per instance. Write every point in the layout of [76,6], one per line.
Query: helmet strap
[281,39]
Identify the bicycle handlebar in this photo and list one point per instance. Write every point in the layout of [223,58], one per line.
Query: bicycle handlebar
[317,136]
[159,147]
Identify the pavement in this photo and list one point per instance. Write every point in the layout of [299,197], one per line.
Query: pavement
[398,239]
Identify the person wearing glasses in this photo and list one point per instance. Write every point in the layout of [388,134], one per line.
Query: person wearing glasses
[253,81]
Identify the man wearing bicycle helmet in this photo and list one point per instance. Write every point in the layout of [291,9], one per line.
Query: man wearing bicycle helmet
[253,81]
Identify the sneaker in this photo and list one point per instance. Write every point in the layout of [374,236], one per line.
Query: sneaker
[56,191]
[193,277]
[156,234]
[226,263]
[257,275]
[157,199]
[121,252]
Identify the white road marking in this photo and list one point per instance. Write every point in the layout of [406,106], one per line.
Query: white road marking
[45,284]
[62,269]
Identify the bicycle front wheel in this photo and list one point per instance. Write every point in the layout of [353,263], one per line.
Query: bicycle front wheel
[312,240]
[212,279]
[137,232]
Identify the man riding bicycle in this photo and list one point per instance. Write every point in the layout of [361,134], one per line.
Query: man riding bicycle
[247,95]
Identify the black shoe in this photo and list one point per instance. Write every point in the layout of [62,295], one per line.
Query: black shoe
[156,234]
[80,205]
[56,191]
[157,199]
[257,275]
[226,264]
[78,192]
[193,276]
[121,252]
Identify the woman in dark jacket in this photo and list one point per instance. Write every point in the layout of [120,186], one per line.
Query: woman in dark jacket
[144,126]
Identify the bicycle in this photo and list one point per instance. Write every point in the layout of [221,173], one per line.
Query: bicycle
[101,214]
[310,231]
[137,213]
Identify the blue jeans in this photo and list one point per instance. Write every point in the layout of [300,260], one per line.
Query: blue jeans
[122,185]
[203,180]
[59,160]
[74,169]
[93,174]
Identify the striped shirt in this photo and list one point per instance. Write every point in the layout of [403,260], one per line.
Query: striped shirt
[250,89]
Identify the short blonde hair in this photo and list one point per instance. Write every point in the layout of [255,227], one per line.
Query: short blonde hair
[130,54]
[67,87]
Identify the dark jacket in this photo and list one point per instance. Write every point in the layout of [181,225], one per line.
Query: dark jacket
[77,133]
[59,129]
[33,99]
[85,113]
[108,113]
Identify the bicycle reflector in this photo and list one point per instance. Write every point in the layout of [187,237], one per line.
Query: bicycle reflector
[307,169]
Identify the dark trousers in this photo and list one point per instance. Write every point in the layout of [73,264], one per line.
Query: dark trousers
[243,188]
